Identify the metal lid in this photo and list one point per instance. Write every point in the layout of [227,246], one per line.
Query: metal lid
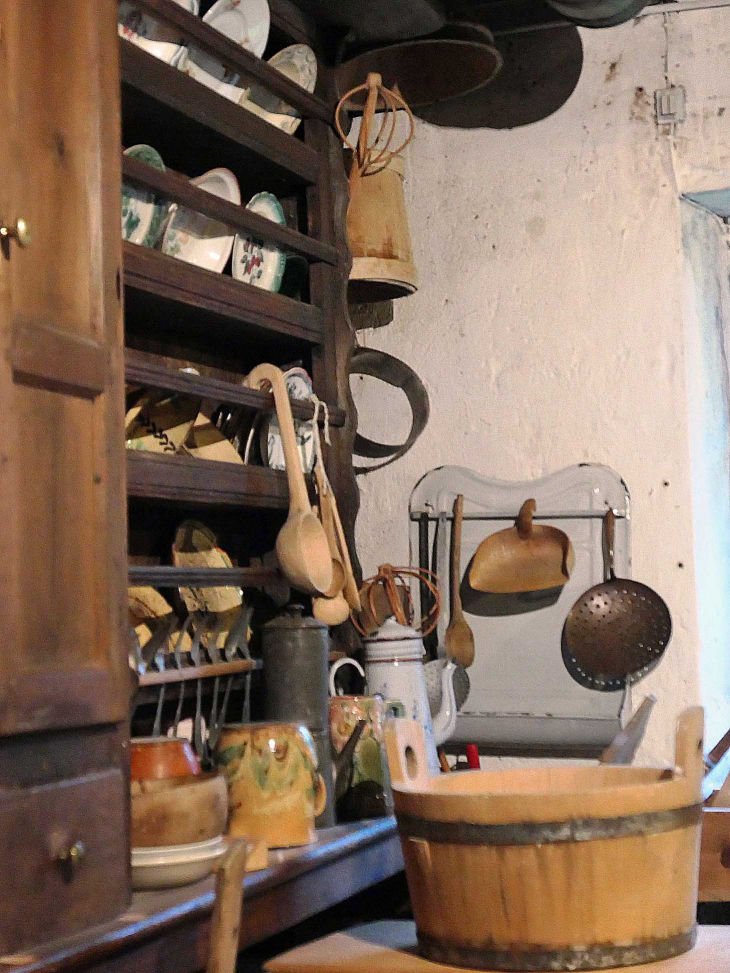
[293,619]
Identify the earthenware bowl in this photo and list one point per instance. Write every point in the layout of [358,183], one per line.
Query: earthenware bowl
[155,758]
[178,811]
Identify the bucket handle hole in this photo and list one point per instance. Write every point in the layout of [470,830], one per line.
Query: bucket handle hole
[411,762]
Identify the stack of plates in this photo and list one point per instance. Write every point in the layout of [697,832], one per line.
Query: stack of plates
[167,867]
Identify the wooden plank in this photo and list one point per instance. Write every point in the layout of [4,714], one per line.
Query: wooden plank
[58,360]
[141,371]
[190,480]
[715,855]
[155,273]
[392,947]
[168,576]
[167,931]
[233,56]
[182,94]
[177,188]
[207,671]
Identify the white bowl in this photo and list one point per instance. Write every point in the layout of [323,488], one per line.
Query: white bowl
[159,868]
[198,239]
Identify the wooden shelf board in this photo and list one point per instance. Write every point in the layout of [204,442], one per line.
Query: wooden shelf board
[189,125]
[233,56]
[177,188]
[189,673]
[186,479]
[170,576]
[242,306]
[139,370]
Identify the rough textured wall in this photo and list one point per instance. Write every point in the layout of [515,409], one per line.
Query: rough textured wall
[548,327]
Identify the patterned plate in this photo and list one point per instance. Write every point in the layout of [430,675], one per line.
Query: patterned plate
[298,63]
[255,262]
[299,386]
[245,22]
[143,214]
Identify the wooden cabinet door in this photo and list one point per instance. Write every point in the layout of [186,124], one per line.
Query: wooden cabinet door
[62,494]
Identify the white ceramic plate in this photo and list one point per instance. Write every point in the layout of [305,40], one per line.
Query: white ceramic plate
[149,34]
[245,22]
[254,262]
[299,386]
[143,214]
[198,239]
[300,65]
[160,868]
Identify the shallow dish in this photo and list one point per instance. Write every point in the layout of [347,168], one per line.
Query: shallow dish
[300,65]
[143,214]
[152,36]
[299,386]
[246,23]
[254,262]
[198,239]
[160,868]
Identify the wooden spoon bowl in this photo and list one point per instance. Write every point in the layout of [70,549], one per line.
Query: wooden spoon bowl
[301,546]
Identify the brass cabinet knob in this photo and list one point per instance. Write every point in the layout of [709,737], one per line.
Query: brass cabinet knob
[70,859]
[19,232]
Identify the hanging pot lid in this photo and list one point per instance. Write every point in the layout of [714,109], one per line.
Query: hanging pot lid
[598,13]
[380,20]
[426,71]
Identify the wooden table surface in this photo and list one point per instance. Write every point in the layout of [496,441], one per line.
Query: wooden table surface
[167,931]
[390,947]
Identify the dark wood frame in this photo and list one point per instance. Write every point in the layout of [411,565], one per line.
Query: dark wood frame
[269,326]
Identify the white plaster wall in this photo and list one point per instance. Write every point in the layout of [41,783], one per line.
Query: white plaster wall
[548,327]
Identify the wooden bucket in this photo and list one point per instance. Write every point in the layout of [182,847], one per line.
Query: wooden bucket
[380,242]
[555,868]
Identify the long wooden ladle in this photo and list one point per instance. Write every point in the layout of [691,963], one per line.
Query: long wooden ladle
[459,636]
[301,546]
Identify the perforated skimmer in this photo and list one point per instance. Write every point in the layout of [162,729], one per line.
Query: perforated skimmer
[617,630]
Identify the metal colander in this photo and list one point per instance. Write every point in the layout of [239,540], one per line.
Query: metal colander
[617,630]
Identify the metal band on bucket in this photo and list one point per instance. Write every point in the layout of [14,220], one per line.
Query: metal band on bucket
[599,957]
[548,832]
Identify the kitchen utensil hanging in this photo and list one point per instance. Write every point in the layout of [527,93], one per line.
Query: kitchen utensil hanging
[394,372]
[526,557]
[377,223]
[387,594]
[301,545]
[459,636]
[617,631]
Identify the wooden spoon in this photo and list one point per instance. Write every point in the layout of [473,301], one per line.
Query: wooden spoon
[459,637]
[331,611]
[301,546]
[325,512]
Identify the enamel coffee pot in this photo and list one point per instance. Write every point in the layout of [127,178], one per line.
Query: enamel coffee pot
[394,670]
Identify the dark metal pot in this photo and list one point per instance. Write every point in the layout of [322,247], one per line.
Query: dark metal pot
[598,13]
[296,656]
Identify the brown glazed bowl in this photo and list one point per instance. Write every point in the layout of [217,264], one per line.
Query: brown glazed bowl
[157,758]
[178,810]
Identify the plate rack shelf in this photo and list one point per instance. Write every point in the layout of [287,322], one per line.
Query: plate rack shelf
[179,315]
